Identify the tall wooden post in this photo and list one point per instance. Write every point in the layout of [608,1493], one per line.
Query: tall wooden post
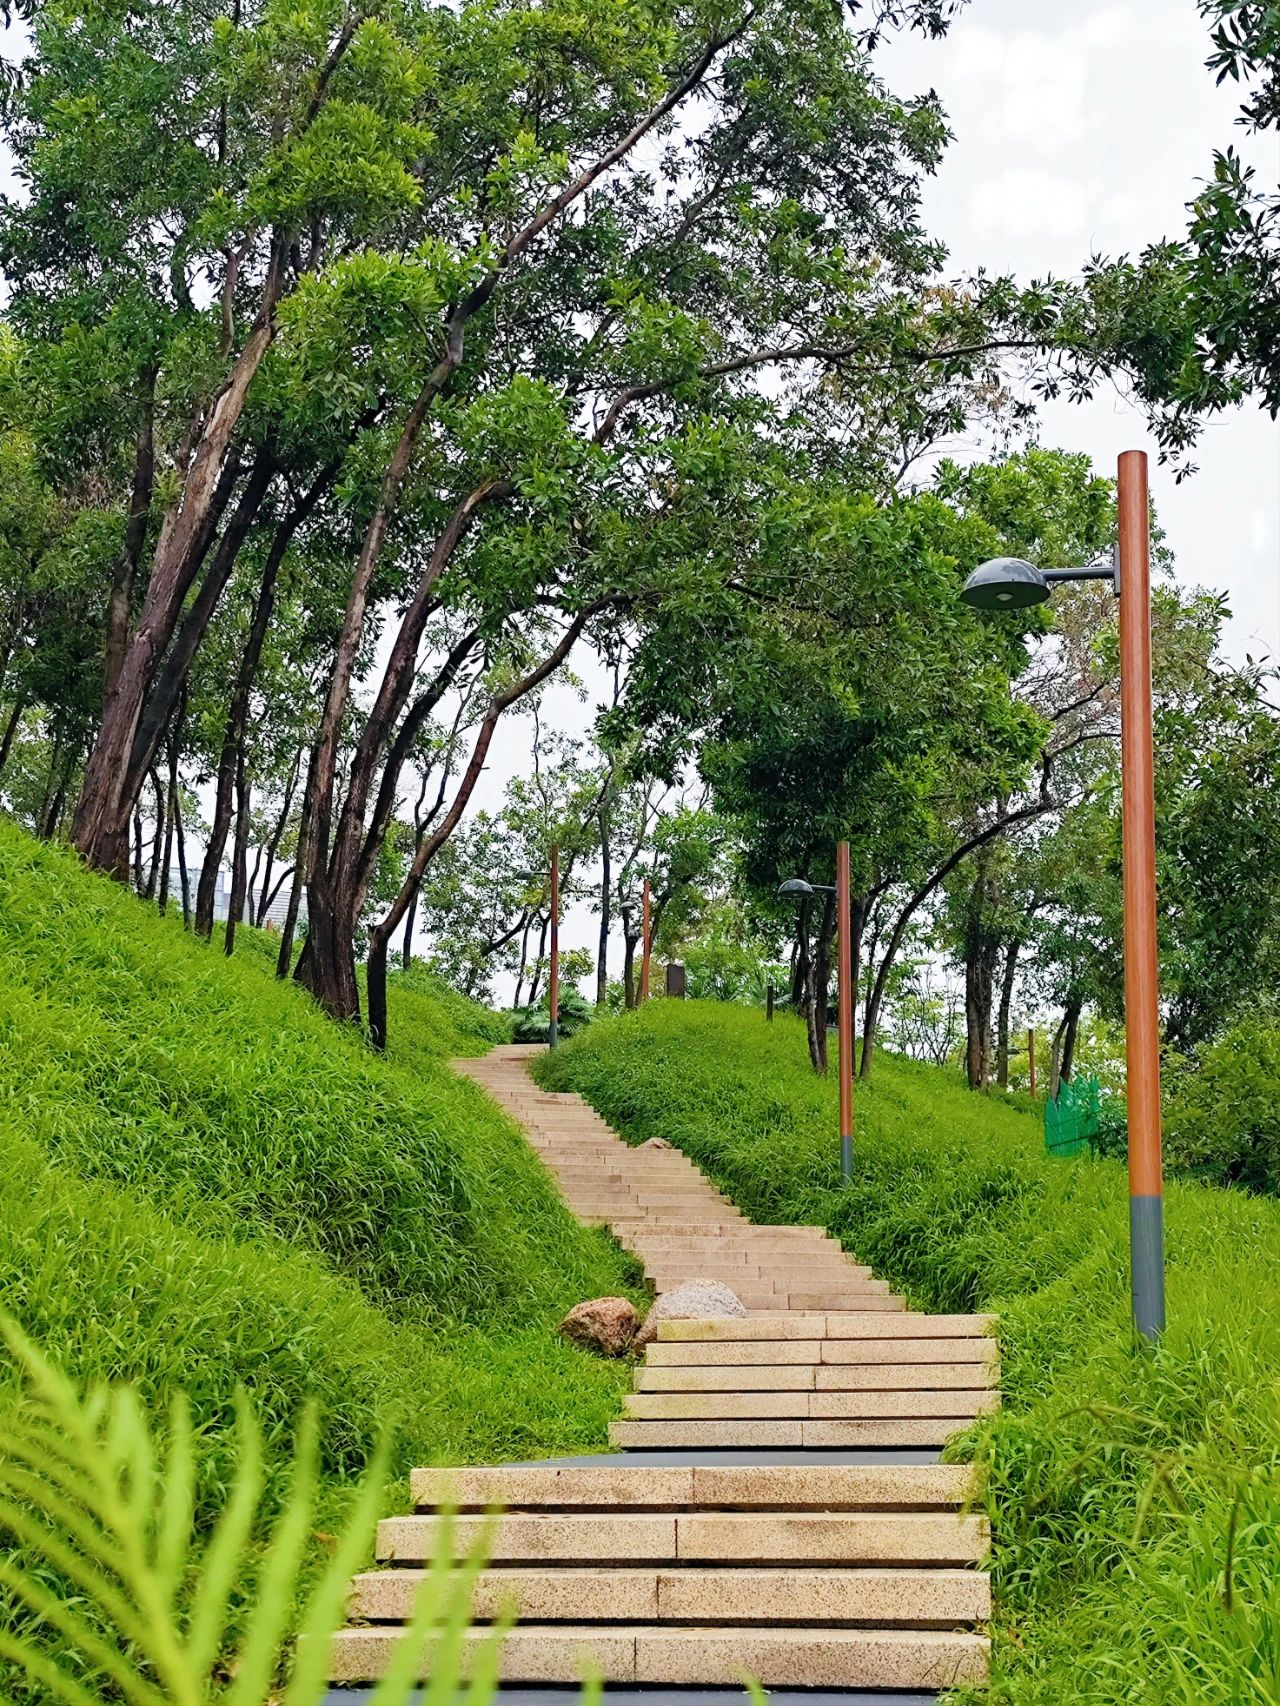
[1141,969]
[647,949]
[844,980]
[553,1029]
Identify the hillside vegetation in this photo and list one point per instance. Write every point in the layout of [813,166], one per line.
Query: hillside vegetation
[208,1183]
[1135,1498]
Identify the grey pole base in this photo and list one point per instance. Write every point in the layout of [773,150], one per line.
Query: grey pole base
[553,1033]
[846,1159]
[1146,1255]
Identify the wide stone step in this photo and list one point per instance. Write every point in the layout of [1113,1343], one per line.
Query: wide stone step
[777,1658]
[841,1486]
[748,1353]
[784,1435]
[825,1406]
[923,1598]
[846,1537]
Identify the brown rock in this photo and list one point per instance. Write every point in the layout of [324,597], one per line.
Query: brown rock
[695,1300]
[605,1324]
[656,1143]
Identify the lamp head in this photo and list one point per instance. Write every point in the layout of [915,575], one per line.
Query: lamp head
[795,888]
[1005,583]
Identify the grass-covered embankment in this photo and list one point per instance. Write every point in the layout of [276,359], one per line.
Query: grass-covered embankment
[207,1182]
[1135,1499]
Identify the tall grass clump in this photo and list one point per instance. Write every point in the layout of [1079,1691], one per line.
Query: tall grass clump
[135,1055]
[1134,1497]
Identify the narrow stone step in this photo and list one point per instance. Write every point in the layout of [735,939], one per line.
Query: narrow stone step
[846,1537]
[777,1658]
[766,1349]
[800,1377]
[922,1598]
[836,1324]
[675,1436]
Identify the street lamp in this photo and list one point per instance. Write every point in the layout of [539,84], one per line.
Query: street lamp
[795,888]
[1010,584]
[553,986]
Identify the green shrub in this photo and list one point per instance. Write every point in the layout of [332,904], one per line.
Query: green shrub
[533,1024]
[1134,1497]
[1223,1116]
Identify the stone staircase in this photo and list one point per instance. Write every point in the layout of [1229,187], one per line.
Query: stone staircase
[662,1209]
[775,1508]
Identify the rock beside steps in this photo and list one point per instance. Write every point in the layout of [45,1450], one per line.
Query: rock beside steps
[666,1212]
[847,1576]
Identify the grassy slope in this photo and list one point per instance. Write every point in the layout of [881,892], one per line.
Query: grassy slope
[1119,1484]
[206,1183]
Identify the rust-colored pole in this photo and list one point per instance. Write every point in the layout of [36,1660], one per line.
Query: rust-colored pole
[844,1014]
[1141,968]
[645,914]
[1031,1056]
[553,1029]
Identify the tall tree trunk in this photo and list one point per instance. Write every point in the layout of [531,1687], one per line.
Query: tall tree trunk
[801,969]
[171,807]
[524,960]
[230,756]
[229,761]
[602,952]
[301,867]
[539,959]
[240,857]
[10,730]
[157,841]
[1069,1040]
[1008,979]
[376,966]
[184,876]
[277,836]
[874,1006]
[629,942]
[137,851]
[819,1003]
[120,602]
[102,813]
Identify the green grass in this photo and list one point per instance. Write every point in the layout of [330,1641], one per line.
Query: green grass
[1135,1498]
[207,1183]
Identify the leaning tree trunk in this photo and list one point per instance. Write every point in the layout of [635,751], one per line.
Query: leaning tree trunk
[101,826]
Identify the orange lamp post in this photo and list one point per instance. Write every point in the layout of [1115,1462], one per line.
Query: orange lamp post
[553,987]
[1008,583]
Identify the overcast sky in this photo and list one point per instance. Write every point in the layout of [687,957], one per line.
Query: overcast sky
[1084,128]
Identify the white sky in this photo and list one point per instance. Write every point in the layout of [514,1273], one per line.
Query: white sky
[1080,126]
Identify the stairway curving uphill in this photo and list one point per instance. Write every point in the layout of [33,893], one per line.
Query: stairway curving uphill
[775,1509]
